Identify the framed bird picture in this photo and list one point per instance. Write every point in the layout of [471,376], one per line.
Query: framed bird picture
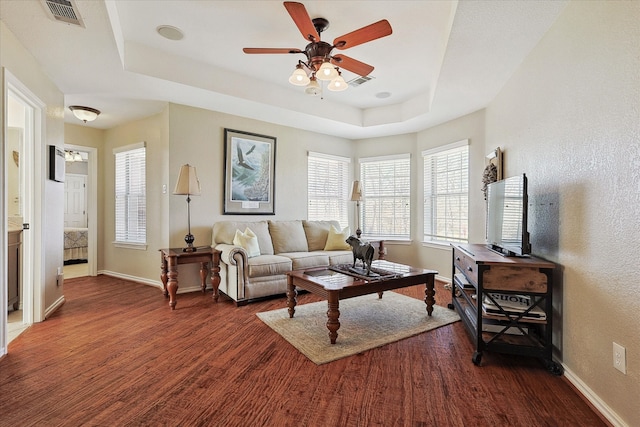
[249,173]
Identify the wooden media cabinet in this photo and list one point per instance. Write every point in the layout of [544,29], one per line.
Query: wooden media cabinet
[504,302]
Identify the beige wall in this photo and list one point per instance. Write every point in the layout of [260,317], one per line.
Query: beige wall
[569,119]
[197,138]
[139,264]
[47,222]
[180,135]
[415,252]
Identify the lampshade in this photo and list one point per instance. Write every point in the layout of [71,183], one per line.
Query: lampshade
[313,88]
[356,191]
[338,84]
[327,72]
[299,77]
[86,114]
[187,181]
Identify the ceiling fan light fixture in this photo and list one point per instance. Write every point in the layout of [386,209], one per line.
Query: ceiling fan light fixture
[86,114]
[327,72]
[338,84]
[299,77]
[320,64]
[313,88]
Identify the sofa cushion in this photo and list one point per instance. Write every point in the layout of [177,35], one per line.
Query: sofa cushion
[269,265]
[247,240]
[225,231]
[288,236]
[317,233]
[302,260]
[336,240]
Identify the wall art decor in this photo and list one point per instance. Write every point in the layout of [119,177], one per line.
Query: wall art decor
[249,173]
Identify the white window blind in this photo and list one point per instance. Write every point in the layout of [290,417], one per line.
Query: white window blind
[328,188]
[446,193]
[130,194]
[386,188]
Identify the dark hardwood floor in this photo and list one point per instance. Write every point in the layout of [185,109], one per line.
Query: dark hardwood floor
[115,355]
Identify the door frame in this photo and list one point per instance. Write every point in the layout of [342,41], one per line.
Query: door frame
[92,204]
[32,271]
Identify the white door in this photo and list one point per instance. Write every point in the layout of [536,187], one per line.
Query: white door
[75,200]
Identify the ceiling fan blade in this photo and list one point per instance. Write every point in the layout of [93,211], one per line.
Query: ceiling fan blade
[271,50]
[301,18]
[365,34]
[352,65]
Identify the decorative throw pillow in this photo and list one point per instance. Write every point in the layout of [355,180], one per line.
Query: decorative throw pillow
[248,241]
[316,232]
[336,240]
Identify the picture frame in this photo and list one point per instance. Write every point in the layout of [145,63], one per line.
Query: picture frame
[249,173]
[56,164]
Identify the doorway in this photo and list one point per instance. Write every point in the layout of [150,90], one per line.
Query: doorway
[81,210]
[23,115]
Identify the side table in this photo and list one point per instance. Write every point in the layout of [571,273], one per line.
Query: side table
[172,257]
[378,245]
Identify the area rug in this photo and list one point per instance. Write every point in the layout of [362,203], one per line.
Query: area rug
[366,322]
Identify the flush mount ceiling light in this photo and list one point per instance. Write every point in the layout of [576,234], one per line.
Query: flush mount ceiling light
[86,114]
[320,64]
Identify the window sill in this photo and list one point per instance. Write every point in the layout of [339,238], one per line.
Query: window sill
[392,240]
[437,245]
[129,245]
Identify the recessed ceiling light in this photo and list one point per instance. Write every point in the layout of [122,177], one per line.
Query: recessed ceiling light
[383,95]
[169,32]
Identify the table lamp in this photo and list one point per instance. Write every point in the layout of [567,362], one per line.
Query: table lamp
[356,196]
[188,185]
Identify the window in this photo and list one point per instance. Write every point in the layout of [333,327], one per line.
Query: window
[386,190]
[130,195]
[446,193]
[328,187]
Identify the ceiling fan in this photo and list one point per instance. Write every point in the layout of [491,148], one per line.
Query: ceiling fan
[320,64]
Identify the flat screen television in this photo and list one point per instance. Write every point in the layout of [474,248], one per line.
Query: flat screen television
[507,216]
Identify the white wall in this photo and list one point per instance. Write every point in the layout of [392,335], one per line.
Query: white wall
[569,118]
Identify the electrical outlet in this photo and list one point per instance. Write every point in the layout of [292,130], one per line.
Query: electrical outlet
[619,358]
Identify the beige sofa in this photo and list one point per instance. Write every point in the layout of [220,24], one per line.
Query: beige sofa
[248,273]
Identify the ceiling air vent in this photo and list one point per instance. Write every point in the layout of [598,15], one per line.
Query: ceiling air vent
[63,11]
[359,81]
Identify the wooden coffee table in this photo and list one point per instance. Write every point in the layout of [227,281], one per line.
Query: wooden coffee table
[335,286]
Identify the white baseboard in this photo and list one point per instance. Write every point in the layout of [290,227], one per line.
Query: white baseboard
[443,279]
[53,307]
[154,283]
[144,281]
[594,399]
